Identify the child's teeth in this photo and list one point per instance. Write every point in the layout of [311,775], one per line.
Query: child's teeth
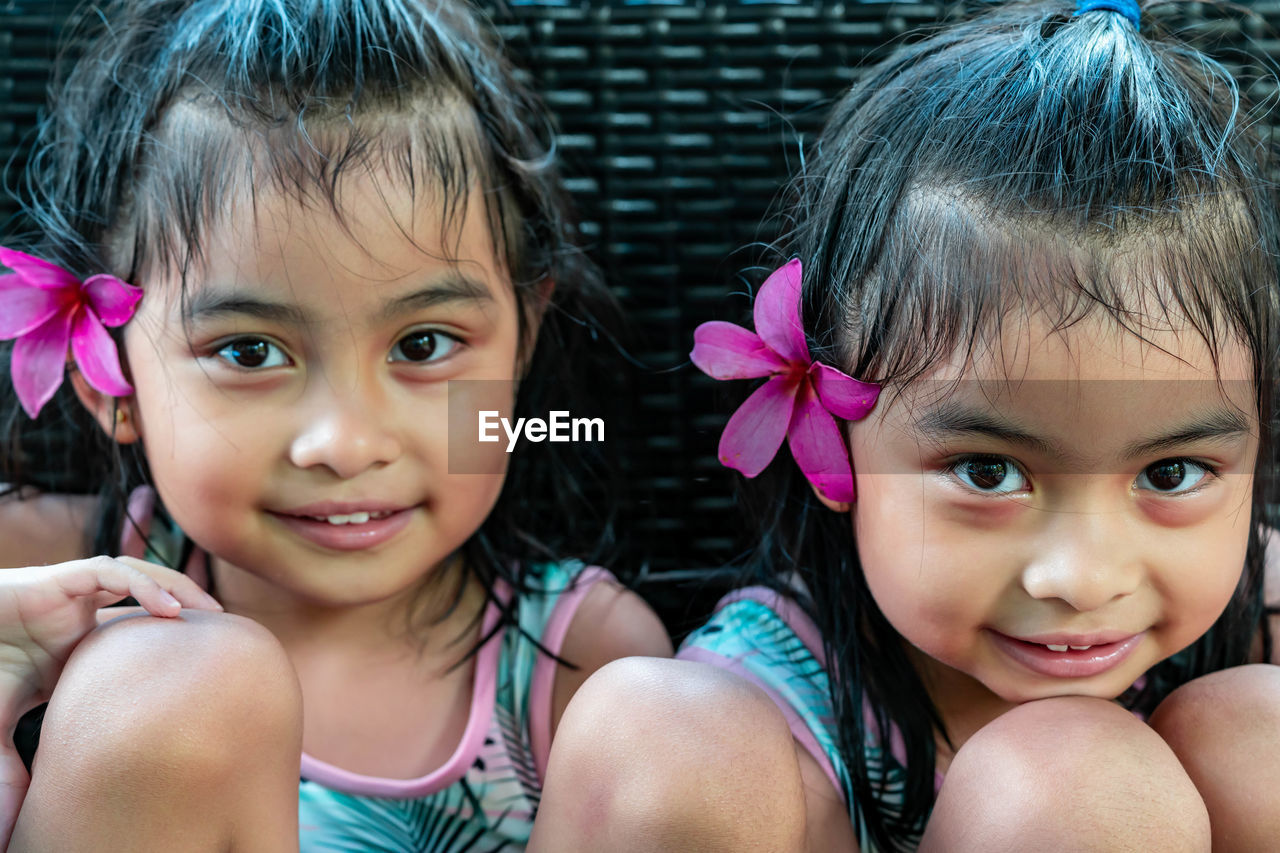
[1081,648]
[353,518]
[1054,648]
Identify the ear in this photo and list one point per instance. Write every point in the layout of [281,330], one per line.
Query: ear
[116,415]
[835,506]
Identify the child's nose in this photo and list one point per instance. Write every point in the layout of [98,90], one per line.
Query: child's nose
[349,433]
[1086,560]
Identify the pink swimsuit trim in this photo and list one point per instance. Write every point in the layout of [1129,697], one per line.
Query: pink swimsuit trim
[544,671]
[482,700]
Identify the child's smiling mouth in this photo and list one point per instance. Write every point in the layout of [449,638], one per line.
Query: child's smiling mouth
[1063,656]
[347,526]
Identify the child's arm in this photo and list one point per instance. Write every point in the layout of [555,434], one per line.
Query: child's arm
[45,611]
[610,623]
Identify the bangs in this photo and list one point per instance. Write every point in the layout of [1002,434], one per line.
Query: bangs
[952,271]
[203,162]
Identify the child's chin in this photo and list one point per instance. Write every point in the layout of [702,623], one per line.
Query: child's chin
[1032,689]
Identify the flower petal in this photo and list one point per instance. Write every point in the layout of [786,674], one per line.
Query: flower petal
[725,351]
[113,300]
[25,307]
[755,432]
[841,394]
[39,358]
[819,448]
[96,355]
[37,272]
[777,313]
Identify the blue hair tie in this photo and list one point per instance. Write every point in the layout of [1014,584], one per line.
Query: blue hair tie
[1128,8]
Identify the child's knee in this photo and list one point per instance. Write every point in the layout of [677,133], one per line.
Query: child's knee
[203,690]
[1224,723]
[1225,729]
[678,749]
[664,710]
[1223,709]
[1070,768]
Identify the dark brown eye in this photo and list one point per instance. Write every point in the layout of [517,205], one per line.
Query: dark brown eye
[993,474]
[417,347]
[253,353]
[987,473]
[423,345]
[1173,476]
[1167,476]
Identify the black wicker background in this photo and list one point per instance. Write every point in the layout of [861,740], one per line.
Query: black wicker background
[679,121]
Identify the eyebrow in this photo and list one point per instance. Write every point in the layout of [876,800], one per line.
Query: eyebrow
[212,302]
[951,419]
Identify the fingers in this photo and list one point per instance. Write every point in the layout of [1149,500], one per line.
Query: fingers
[160,591]
[170,585]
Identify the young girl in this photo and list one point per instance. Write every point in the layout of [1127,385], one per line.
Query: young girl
[324,232]
[1016,585]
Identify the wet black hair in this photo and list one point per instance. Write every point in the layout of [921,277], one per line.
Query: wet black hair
[1028,157]
[175,106]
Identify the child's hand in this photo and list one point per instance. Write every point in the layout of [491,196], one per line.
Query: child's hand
[45,611]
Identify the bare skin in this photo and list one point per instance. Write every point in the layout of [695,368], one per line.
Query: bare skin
[682,756]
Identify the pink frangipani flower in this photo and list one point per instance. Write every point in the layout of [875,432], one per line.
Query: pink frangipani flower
[798,400]
[46,308]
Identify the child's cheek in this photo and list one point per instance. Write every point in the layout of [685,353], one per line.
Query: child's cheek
[1197,550]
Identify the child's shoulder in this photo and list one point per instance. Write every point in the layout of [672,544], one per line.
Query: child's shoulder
[611,621]
[586,618]
[38,528]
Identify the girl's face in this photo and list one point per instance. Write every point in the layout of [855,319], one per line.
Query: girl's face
[1073,488]
[294,407]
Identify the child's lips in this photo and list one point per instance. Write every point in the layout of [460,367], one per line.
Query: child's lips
[346,526]
[1069,655]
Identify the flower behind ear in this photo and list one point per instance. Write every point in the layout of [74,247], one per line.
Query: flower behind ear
[798,400]
[46,309]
